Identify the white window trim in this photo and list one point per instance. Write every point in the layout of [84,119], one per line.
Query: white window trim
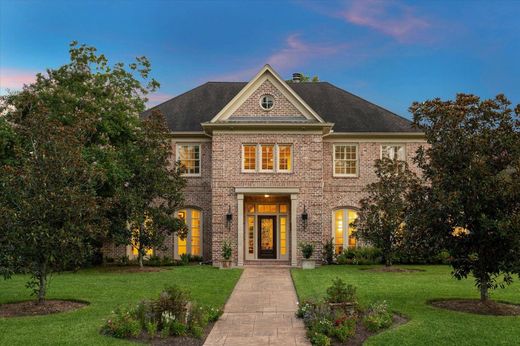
[188,236]
[278,170]
[275,159]
[177,156]
[262,107]
[339,175]
[243,170]
[345,227]
[393,145]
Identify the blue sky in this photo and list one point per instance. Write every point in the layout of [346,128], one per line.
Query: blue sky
[389,52]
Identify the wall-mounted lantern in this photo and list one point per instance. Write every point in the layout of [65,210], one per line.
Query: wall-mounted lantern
[229,216]
[305,216]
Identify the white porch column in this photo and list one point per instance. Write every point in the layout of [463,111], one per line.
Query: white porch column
[240,230]
[294,245]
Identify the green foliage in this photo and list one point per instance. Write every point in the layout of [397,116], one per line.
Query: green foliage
[377,317]
[227,250]
[328,251]
[307,249]
[471,173]
[345,330]
[318,339]
[381,218]
[121,324]
[340,292]
[360,255]
[172,313]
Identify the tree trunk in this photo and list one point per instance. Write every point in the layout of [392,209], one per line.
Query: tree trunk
[42,283]
[141,257]
[484,291]
[141,249]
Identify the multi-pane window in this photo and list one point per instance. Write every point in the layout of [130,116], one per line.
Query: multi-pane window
[343,230]
[189,157]
[192,243]
[249,157]
[284,157]
[267,102]
[345,160]
[283,235]
[393,151]
[267,157]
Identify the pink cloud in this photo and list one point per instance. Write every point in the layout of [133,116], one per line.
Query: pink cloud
[293,55]
[15,78]
[388,17]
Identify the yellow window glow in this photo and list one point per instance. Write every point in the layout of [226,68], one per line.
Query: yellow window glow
[284,157]
[338,231]
[283,235]
[267,157]
[249,157]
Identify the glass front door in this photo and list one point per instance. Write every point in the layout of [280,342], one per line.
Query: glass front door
[266,236]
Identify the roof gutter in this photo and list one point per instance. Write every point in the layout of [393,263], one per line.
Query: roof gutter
[323,127]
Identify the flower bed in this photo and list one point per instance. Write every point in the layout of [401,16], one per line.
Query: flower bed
[338,319]
[172,314]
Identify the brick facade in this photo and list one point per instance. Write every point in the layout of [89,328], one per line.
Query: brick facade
[214,192]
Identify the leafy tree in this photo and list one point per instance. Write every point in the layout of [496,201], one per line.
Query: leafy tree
[49,205]
[381,217]
[472,174]
[153,192]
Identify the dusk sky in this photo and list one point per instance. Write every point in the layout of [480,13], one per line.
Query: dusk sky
[389,52]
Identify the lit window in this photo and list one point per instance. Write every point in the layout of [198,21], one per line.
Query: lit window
[267,208]
[267,102]
[283,208]
[192,244]
[249,157]
[393,152]
[267,155]
[251,230]
[283,235]
[135,239]
[345,160]
[343,231]
[284,158]
[189,157]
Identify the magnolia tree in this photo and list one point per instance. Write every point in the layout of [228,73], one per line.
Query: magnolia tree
[49,206]
[470,202]
[153,192]
[72,146]
[382,213]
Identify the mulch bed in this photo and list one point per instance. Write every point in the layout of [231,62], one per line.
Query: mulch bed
[474,306]
[128,269]
[362,333]
[30,308]
[392,270]
[175,340]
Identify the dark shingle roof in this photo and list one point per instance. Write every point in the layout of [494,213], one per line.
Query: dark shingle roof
[348,112]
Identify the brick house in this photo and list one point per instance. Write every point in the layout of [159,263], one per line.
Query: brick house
[270,164]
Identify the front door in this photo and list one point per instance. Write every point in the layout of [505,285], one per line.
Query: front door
[266,236]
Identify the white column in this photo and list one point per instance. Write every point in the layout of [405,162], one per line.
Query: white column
[240,230]
[294,245]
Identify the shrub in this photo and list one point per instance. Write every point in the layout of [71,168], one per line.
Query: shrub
[109,260]
[123,260]
[318,339]
[227,251]
[304,307]
[328,251]
[151,329]
[154,261]
[178,329]
[345,330]
[121,324]
[360,255]
[377,317]
[307,250]
[185,259]
[213,313]
[340,292]
[167,261]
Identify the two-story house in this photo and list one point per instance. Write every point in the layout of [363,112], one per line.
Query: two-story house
[270,164]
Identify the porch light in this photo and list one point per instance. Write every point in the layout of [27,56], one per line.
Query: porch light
[266,196]
[229,216]
[304,215]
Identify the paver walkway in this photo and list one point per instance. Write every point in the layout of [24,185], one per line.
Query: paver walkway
[260,311]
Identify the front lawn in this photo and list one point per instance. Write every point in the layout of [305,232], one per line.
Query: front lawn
[105,291]
[407,294]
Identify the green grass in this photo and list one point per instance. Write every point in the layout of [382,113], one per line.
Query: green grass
[408,293]
[105,291]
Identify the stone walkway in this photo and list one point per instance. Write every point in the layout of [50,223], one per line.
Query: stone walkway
[260,311]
